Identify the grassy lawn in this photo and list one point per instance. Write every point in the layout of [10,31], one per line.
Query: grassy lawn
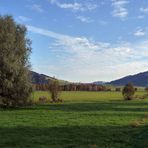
[83,120]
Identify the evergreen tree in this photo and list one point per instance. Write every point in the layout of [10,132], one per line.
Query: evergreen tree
[15,49]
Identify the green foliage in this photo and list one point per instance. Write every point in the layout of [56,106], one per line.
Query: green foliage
[14,63]
[128,91]
[54,90]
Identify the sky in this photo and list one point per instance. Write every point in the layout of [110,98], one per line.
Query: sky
[84,40]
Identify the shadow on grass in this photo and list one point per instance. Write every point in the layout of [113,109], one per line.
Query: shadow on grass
[98,106]
[75,137]
[119,106]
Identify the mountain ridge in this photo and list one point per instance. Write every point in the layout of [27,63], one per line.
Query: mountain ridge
[139,79]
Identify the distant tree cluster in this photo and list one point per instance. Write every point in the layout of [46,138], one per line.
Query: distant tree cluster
[73,87]
[15,49]
[41,87]
[83,87]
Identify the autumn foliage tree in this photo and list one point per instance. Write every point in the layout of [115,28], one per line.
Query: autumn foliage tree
[15,49]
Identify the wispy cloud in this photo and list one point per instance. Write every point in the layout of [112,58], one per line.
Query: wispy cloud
[140,32]
[103,23]
[141,17]
[120,9]
[84,19]
[83,58]
[145,10]
[75,6]
[47,33]
[23,19]
[37,8]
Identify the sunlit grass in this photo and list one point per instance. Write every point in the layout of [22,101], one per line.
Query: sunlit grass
[83,120]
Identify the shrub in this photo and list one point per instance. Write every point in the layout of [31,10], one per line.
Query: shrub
[42,99]
[144,96]
[135,124]
[146,89]
[108,89]
[128,91]
[118,89]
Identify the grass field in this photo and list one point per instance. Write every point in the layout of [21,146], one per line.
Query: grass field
[83,120]
[81,96]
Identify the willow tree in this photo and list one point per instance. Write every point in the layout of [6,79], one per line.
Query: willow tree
[15,86]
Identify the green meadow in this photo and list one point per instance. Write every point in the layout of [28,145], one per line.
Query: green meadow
[87,96]
[82,120]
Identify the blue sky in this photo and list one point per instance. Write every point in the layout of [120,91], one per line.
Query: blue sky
[84,40]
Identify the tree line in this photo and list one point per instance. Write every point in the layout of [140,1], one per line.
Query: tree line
[72,87]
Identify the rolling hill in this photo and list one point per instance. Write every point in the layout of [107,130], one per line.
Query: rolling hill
[140,79]
[37,78]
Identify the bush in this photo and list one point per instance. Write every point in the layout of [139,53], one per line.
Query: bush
[135,124]
[128,91]
[144,96]
[109,89]
[42,99]
[146,89]
[118,89]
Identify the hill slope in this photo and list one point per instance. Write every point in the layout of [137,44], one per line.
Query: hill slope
[140,79]
[37,78]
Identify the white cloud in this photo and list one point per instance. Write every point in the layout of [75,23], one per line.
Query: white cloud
[82,59]
[23,19]
[47,32]
[75,6]
[84,19]
[145,10]
[139,32]
[120,10]
[130,68]
[37,8]
[141,17]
